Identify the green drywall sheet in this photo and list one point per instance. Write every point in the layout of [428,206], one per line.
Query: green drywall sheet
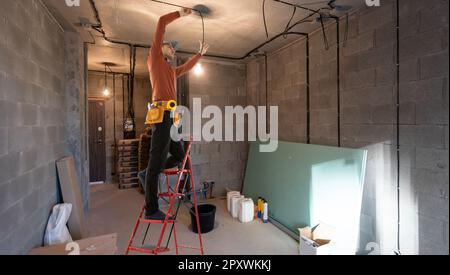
[307,184]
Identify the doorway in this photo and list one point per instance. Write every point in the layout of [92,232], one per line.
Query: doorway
[97,145]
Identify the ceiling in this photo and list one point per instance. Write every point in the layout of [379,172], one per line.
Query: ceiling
[233,28]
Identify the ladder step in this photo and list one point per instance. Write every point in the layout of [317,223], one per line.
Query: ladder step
[170,195]
[157,221]
[170,172]
[153,251]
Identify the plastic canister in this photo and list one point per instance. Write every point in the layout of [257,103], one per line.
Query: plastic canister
[246,213]
[229,195]
[235,205]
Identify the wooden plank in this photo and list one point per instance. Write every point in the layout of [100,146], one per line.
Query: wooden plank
[129,180]
[128,175]
[128,185]
[127,149]
[127,169]
[128,164]
[128,142]
[70,189]
[101,245]
[128,159]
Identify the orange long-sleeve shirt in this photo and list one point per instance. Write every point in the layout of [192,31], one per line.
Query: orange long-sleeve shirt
[162,75]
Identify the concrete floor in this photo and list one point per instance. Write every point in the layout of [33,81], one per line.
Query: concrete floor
[115,211]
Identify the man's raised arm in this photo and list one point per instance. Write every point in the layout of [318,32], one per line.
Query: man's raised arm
[158,38]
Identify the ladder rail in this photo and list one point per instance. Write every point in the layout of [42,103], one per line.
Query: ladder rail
[172,194]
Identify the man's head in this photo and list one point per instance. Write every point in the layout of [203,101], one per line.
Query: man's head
[169,48]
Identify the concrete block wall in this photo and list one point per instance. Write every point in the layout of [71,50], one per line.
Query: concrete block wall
[368,116]
[32,122]
[424,122]
[222,84]
[76,102]
[142,95]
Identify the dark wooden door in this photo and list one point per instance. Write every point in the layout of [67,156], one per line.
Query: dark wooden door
[97,146]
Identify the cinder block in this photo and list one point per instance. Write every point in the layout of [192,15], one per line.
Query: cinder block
[16,89]
[10,218]
[17,39]
[38,136]
[432,111]
[434,65]
[434,207]
[3,28]
[19,139]
[427,136]
[376,133]
[384,114]
[8,166]
[28,114]
[420,45]
[430,248]
[434,16]
[3,141]
[407,113]
[377,57]
[16,190]
[371,18]
[415,91]
[359,79]
[432,159]
[386,75]
[356,115]
[409,70]
[431,182]
[386,34]
[28,160]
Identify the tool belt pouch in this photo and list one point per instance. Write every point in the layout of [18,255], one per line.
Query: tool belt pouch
[155,115]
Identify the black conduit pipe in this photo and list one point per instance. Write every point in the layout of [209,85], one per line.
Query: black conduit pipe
[308,94]
[398,124]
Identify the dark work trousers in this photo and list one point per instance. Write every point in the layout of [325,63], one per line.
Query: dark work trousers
[161,145]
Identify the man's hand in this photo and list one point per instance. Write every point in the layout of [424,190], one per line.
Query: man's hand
[203,48]
[185,12]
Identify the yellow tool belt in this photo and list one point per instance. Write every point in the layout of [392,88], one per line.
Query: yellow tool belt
[155,113]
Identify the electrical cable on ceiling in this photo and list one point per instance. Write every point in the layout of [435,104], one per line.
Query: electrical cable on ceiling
[290,20]
[99,28]
[200,13]
[264,17]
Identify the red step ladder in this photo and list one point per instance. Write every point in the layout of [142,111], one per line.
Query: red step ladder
[178,192]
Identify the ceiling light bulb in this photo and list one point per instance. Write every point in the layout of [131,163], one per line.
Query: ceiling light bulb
[198,70]
[106,92]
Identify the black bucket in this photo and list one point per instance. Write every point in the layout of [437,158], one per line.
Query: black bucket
[207,217]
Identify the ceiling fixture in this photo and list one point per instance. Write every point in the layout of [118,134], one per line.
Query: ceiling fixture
[106,90]
[335,8]
[198,69]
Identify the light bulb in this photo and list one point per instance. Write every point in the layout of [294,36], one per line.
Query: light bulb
[106,92]
[198,70]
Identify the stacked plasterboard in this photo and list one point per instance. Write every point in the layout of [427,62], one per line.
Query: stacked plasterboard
[127,165]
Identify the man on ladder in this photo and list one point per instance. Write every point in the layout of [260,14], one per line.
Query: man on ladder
[163,78]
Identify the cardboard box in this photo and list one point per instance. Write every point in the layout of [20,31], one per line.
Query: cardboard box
[101,245]
[70,188]
[317,240]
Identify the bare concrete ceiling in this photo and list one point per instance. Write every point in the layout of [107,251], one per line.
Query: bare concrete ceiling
[233,28]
